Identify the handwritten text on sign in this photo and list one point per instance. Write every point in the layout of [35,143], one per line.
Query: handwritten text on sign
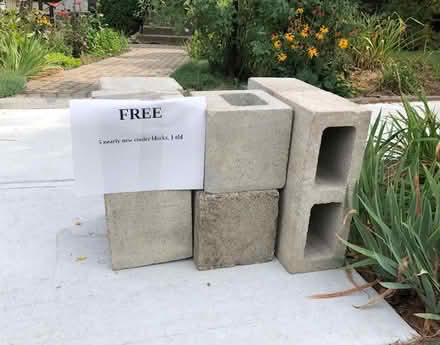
[130,146]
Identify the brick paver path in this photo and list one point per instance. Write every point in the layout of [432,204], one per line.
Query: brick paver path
[141,61]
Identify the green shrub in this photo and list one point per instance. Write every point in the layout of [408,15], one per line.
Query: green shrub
[23,54]
[121,15]
[59,59]
[274,38]
[59,45]
[196,75]
[194,47]
[11,83]
[401,77]
[106,42]
[377,38]
[398,205]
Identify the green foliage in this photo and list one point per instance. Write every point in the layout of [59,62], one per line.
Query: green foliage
[22,54]
[165,12]
[273,38]
[59,45]
[32,22]
[378,38]
[196,75]
[398,203]
[59,59]
[11,83]
[401,77]
[121,15]
[194,47]
[106,42]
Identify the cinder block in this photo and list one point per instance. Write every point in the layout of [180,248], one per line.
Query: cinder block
[328,141]
[247,141]
[149,227]
[135,94]
[157,84]
[234,228]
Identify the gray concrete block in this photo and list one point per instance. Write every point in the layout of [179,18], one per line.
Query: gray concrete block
[234,228]
[149,227]
[328,141]
[157,84]
[247,141]
[135,94]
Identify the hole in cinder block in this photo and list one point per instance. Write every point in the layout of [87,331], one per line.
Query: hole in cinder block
[243,99]
[335,155]
[324,222]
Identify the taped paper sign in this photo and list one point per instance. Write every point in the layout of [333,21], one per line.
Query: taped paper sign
[130,146]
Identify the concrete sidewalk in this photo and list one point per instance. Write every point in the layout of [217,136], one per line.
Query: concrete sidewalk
[58,287]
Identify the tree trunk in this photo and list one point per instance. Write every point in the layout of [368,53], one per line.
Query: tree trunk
[76,44]
[40,5]
[232,49]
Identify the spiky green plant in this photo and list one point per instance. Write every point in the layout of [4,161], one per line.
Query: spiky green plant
[22,54]
[11,83]
[398,205]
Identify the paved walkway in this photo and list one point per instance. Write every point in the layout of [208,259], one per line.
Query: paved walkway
[142,61]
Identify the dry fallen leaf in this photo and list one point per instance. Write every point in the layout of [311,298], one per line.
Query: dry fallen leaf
[344,293]
[82,258]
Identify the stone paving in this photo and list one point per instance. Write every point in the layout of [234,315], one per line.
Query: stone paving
[140,61]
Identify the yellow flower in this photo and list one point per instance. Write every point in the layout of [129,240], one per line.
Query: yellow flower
[320,36]
[289,37]
[304,33]
[311,52]
[300,10]
[343,43]
[282,57]
[277,44]
[295,46]
[275,37]
[323,29]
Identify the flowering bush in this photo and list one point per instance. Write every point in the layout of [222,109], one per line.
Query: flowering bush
[302,39]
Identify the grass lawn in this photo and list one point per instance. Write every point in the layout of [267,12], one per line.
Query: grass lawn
[196,75]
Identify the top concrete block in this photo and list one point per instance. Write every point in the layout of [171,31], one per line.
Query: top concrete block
[272,85]
[300,94]
[156,84]
[135,94]
[247,141]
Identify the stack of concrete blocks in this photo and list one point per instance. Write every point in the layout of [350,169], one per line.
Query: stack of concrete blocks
[328,142]
[146,227]
[247,148]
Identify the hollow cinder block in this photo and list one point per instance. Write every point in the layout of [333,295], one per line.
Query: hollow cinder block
[149,227]
[234,228]
[157,84]
[328,141]
[247,141]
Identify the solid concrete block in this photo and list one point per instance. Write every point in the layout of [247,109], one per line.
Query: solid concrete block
[247,141]
[234,228]
[328,141]
[149,227]
[156,84]
[135,94]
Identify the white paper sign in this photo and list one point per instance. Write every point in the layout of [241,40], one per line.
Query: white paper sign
[130,146]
